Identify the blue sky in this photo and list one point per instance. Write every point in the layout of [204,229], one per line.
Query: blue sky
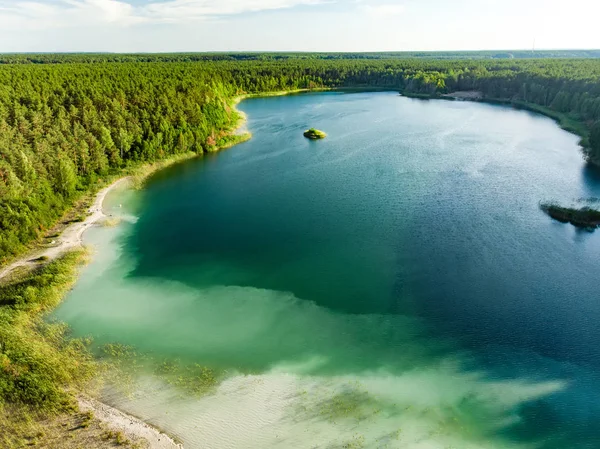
[300,25]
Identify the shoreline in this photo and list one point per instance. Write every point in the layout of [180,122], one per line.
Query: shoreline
[241,127]
[181,429]
[114,418]
[129,425]
[70,238]
[241,130]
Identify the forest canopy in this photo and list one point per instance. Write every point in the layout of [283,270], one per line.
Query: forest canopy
[67,121]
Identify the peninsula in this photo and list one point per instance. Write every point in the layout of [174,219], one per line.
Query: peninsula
[582,218]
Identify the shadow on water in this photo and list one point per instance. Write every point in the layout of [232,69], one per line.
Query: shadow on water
[590,175]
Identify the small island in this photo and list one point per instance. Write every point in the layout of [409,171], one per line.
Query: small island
[582,218]
[314,134]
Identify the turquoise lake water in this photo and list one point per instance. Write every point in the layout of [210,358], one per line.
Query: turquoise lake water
[394,285]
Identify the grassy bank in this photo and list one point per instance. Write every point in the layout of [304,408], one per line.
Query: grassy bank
[228,138]
[39,365]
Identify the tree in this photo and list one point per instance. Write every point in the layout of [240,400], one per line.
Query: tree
[65,177]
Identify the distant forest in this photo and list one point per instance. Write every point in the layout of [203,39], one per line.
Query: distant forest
[60,58]
[70,120]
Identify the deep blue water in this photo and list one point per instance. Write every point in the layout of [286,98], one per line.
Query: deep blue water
[424,211]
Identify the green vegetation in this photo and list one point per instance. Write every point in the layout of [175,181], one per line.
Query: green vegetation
[314,134]
[585,217]
[117,437]
[35,359]
[37,362]
[123,366]
[65,130]
[350,404]
[64,58]
[73,430]
[69,123]
[87,419]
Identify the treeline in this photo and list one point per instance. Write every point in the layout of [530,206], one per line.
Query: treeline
[61,58]
[64,126]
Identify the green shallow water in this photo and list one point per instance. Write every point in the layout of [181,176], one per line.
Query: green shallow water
[394,285]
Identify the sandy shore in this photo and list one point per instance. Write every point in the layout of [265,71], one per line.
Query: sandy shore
[70,238]
[242,125]
[466,95]
[130,426]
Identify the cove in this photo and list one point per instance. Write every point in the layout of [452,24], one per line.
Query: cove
[393,285]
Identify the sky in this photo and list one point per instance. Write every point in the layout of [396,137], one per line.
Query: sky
[296,25]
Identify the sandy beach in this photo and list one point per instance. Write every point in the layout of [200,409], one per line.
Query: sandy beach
[130,426]
[242,125]
[70,238]
[465,95]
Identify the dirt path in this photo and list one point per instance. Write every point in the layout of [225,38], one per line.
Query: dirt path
[70,238]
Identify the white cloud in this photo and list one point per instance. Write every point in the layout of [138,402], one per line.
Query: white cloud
[77,13]
[176,10]
[68,13]
[110,10]
[384,10]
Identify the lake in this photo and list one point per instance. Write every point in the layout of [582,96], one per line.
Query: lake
[394,285]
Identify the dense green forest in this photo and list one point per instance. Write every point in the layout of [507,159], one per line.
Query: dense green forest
[60,58]
[64,126]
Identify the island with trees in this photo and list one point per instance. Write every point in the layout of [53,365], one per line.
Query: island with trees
[314,134]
